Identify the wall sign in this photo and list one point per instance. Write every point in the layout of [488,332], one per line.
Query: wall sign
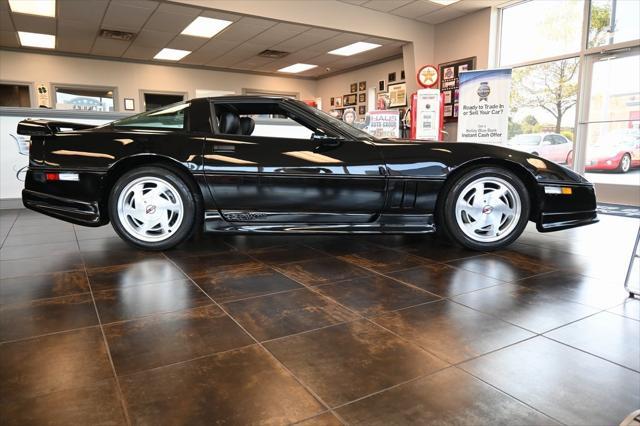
[428,114]
[427,76]
[397,95]
[484,106]
[449,84]
[383,123]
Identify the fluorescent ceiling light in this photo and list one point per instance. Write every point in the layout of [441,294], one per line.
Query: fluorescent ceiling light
[354,48]
[297,68]
[171,54]
[34,7]
[205,27]
[45,41]
[444,2]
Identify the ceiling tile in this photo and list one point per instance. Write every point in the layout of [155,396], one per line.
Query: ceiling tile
[171,18]
[187,42]
[223,61]
[34,24]
[9,39]
[256,63]
[245,29]
[385,5]
[442,15]
[149,38]
[221,15]
[72,38]
[127,15]
[109,47]
[87,13]
[305,39]
[140,52]
[217,47]
[5,21]
[415,9]
[356,2]
[475,5]
[279,33]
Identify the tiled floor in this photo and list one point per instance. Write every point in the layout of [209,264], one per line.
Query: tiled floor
[315,330]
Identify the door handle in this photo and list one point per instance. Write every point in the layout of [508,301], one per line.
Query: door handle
[224,148]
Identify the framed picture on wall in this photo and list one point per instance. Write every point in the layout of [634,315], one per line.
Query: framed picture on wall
[391,77]
[338,101]
[402,75]
[129,104]
[382,86]
[362,98]
[332,101]
[362,86]
[397,95]
[354,88]
[362,110]
[449,78]
[350,100]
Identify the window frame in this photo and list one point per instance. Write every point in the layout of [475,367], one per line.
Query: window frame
[33,101]
[113,89]
[142,92]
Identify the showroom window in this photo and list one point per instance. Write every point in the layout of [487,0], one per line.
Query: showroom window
[171,117]
[576,78]
[15,95]
[155,100]
[84,98]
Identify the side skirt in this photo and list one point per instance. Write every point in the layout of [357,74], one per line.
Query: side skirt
[385,224]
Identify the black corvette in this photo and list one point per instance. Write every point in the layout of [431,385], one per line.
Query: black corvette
[227,165]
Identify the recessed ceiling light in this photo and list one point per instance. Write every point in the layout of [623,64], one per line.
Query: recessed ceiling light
[444,2]
[171,54]
[34,7]
[45,41]
[297,68]
[354,48]
[205,27]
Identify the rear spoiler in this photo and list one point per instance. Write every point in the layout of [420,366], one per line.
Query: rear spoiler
[48,127]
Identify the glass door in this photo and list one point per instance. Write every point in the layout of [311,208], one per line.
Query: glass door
[611,126]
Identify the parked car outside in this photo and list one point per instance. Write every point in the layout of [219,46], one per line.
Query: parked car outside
[620,151]
[551,146]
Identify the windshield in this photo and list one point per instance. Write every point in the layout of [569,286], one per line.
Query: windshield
[352,131]
[526,140]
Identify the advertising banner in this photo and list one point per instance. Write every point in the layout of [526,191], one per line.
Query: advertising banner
[484,106]
[383,124]
[428,114]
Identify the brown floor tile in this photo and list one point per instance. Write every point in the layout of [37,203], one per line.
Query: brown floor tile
[282,314]
[26,288]
[134,302]
[441,251]
[286,254]
[564,383]
[257,242]
[44,265]
[325,419]
[322,271]
[501,268]
[200,245]
[139,273]
[444,280]
[38,250]
[630,309]
[448,397]
[375,295]
[383,260]
[533,310]
[244,281]
[44,316]
[348,361]
[89,233]
[95,404]
[103,259]
[36,367]
[105,244]
[164,339]
[243,386]
[577,288]
[27,233]
[205,265]
[339,246]
[609,336]
[451,331]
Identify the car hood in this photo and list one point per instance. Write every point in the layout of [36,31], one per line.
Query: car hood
[406,157]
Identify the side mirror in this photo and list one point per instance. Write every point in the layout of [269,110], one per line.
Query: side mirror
[326,141]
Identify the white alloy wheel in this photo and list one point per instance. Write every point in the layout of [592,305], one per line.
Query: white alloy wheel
[150,209]
[488,209]
[625,163]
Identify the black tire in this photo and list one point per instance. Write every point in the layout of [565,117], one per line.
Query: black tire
[170,177]
[621,166]
[446,213]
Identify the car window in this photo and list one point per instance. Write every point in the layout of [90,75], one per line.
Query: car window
[169,117]
[558,139]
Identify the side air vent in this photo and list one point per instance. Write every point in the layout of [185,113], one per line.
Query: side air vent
[273,54]
[117,35]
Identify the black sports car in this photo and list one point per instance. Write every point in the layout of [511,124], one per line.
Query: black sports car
[255,164]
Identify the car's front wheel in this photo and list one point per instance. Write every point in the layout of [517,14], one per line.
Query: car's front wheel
[485,209]
[625,163]
[152,208]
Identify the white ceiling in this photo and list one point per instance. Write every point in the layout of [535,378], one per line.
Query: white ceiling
[158,24]
[425,10]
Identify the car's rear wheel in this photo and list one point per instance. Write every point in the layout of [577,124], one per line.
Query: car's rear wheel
[569,161]
[152,208]
[485,209]
[625,163]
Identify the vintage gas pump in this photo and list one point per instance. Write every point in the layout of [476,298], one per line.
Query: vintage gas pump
[427,107]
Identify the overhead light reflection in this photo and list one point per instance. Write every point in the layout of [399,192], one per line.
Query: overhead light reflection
[313,157]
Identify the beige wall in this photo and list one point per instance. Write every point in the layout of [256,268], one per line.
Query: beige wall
[129,78]
[460,38]
[339,85]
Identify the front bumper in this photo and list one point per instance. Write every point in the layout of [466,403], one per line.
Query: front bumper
[74,211]
[563,211]
[549,222]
